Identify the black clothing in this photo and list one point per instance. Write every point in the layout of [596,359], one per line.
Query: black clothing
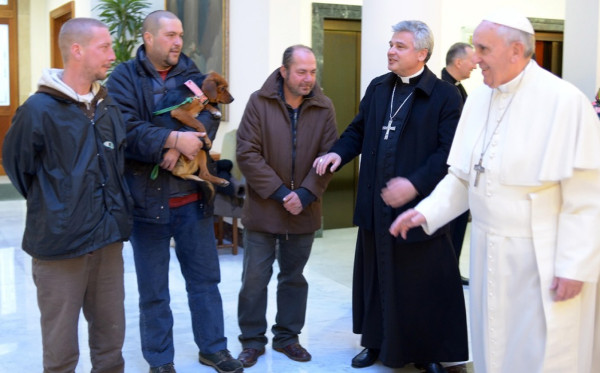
[407,295]
[450,79]
[68,160]
[458,226]
[139,91]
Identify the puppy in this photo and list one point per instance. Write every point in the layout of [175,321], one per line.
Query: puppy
[214,90]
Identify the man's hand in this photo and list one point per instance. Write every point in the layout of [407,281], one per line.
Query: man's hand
[565,289]
[188,143]
[408,219]
[292,203]
[170,159]
[398,192]
[320,164]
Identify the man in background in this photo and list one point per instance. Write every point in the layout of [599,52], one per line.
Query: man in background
[459,64]
[65,154]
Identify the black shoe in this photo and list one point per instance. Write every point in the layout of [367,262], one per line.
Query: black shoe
[431,368]
[365,358]
[464,280]
[167,368]
[222,362]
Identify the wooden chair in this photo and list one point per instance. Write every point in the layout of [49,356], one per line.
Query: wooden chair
[229,206]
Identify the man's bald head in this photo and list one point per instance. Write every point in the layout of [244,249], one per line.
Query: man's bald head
[76,31]
[152,22]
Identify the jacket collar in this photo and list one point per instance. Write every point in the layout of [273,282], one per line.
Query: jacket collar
[449,78]
[426,81]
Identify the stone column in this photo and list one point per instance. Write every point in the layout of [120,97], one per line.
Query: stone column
[581,54]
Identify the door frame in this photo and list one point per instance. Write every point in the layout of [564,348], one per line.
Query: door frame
[58,17]
[320,12]
[8,16]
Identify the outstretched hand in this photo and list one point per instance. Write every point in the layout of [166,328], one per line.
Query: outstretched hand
[320,164]
[405,221]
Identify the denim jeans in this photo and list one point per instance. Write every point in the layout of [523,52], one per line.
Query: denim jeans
[292,252]
[197,253]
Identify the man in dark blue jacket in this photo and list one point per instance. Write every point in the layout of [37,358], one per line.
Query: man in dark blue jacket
[407,300]
[165,206]
[65,154]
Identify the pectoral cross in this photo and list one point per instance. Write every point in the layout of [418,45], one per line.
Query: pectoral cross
[388,129]
[480,170]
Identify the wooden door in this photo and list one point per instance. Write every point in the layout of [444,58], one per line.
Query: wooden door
[341,83]
[9,72]
[549,51]
[59,17]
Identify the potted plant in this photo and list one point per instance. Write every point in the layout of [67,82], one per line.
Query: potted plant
[124,19]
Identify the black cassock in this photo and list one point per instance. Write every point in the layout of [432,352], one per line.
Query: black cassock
[407,296]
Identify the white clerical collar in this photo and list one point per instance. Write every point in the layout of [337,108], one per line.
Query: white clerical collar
[513,84]
[406,79]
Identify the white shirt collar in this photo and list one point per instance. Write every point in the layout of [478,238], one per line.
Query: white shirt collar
[406,79]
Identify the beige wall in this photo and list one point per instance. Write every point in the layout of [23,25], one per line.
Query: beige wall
[450,20]
[261,29]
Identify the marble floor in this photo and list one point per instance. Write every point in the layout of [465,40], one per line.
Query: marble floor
[327,334]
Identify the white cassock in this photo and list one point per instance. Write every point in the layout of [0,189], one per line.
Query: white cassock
[535,215]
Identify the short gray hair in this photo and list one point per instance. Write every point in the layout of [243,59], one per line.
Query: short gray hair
[423,37]
[511,35]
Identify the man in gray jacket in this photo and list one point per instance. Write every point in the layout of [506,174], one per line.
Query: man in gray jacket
[286,125]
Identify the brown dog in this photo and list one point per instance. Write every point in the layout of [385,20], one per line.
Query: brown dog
[215,89]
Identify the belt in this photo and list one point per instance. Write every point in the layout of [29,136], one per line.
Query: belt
[183,200]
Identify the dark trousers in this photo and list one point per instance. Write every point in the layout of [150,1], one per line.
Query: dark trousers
[92,282]
[260,250]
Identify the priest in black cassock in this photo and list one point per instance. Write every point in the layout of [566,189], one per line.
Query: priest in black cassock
[459,64]
[407,295]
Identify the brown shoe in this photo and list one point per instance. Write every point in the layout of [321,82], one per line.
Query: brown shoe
[295,352]
[249,356]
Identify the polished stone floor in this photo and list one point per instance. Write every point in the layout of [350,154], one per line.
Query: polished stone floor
[327,334]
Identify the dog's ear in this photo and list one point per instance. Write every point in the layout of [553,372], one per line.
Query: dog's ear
[209,87]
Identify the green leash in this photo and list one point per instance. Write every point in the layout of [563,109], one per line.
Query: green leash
[155,169]
[187,100]
[154,173]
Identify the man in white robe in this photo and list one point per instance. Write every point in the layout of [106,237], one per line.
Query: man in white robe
[526,161]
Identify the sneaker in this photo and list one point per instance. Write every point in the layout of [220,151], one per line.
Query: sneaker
[167,368]
[222,362]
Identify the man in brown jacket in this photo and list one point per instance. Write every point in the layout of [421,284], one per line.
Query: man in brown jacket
[286,125]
